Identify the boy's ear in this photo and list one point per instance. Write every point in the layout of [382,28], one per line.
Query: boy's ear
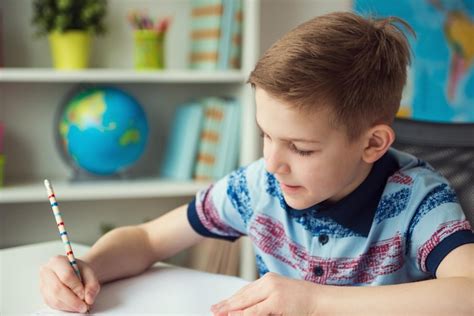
[378,140]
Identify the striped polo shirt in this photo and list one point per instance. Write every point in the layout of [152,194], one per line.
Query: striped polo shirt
[396,227]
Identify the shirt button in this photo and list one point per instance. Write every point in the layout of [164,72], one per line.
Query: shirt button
[318,271]
[323,239]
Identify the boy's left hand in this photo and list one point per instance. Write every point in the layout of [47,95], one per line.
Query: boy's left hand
[271,294]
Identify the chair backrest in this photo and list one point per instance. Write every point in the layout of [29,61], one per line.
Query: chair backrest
[447,147]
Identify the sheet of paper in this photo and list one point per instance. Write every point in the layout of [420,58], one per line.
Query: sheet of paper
[163,290]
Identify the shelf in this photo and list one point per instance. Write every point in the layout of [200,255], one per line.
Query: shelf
[120,75]
[100,190]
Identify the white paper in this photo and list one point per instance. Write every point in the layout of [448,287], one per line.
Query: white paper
[163,290]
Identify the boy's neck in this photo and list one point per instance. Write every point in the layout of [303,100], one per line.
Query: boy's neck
[363,173]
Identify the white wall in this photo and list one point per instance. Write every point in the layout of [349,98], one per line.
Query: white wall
[280,16]
[112,50]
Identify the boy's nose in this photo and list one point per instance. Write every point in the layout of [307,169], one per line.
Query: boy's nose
[275,163]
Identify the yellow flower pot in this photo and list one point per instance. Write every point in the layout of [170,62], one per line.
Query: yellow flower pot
[70,50]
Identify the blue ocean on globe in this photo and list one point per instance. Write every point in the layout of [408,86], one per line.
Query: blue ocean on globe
[103,131]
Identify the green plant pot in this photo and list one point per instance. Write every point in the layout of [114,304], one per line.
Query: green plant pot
[70,50]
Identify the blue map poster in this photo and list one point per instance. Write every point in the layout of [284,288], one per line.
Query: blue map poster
[440,85]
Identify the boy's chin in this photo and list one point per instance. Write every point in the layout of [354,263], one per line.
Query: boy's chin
[298,204]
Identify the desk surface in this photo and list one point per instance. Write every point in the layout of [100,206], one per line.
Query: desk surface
[162,289]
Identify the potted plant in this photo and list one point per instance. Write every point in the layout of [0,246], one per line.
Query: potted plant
[69,25]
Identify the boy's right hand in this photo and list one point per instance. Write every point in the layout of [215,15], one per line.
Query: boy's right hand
[61,288]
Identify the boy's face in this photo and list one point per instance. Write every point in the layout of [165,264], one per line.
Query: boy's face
[311,160]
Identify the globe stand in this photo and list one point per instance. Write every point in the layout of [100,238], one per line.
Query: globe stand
[80,175]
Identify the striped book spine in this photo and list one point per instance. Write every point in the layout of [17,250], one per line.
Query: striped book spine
[234,139]
[236,45]
[210,138]
[205,33]
[227,151]
[225,40]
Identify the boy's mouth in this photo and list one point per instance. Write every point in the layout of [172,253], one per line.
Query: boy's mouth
[289,188]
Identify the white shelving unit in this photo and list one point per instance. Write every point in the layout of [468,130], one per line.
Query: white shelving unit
[28,192]
[49,75]
[31,92]
[29,188]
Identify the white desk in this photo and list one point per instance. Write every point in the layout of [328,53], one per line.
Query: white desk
[161,290]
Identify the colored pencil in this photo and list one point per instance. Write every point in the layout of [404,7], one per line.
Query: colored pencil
[62,228]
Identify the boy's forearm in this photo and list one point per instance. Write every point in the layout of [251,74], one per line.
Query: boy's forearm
[447,296]
[120,253]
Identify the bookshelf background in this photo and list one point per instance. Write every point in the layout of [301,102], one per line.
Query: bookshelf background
[30,92]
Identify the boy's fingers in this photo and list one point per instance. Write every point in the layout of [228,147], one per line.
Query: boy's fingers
[91,285]
[75,309]
[59,296]
[68,277]
[91,294]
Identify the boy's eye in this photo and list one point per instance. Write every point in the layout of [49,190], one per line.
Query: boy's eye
[301,152]
[263,135]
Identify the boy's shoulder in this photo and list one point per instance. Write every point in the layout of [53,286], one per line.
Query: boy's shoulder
[415,187]
[414,172]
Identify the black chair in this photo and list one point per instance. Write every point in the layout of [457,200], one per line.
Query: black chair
[447,147]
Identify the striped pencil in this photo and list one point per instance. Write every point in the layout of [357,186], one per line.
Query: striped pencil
[62,229]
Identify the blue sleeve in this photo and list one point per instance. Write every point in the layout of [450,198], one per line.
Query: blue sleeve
[438,225]
[444,247]
[201,229]
[223,210]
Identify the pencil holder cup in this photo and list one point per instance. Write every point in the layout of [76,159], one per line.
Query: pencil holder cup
[2,168]
[148,49]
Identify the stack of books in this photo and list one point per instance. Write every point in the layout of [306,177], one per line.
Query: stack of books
[203,143]
[216,28]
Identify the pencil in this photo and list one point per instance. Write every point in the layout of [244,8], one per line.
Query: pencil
[62,229]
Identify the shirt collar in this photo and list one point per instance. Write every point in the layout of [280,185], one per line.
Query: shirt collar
[356,211]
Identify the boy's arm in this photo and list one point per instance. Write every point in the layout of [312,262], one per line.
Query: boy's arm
[130,250]
[452,293]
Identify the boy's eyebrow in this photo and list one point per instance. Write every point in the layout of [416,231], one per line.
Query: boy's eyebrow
[299,140]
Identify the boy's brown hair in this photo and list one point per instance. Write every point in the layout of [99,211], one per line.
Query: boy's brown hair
[357,66]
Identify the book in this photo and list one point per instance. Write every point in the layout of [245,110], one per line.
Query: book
[226,30]
[210,138]
[205,33]
[227,149]
[236,43]
[234,140]
[181,149]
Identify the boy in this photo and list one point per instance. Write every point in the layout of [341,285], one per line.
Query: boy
[330,204]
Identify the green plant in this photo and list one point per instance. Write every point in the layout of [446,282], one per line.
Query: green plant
[68,15]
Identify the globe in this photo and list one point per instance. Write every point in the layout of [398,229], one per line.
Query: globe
[102,130]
